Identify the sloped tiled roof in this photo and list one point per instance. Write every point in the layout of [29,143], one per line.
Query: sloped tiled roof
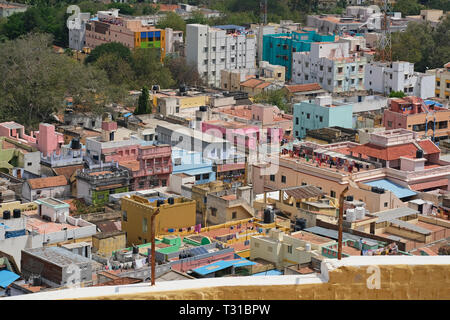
[67,171]
[303,87]
[48,182]
[255,83]
[386,153]
[428,146]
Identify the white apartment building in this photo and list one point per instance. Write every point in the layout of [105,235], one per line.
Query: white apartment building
[77,31]
[332,65]
[384,77]
[212,50]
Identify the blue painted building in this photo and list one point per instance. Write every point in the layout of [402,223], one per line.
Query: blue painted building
[194,164]
[319,113]
[278,48]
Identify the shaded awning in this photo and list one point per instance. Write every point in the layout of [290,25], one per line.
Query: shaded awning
[7,277]
[304,192]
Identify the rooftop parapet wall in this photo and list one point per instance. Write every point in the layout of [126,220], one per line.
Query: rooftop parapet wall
[400,277]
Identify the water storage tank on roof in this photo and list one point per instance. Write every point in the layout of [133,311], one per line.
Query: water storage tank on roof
[6,215]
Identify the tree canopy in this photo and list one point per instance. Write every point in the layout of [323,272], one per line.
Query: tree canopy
[172,20]
[423,45]
[274,97]
[35,81]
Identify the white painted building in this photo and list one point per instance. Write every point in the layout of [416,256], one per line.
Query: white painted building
[384,77]
[332,65]
[77,31]
[212,50]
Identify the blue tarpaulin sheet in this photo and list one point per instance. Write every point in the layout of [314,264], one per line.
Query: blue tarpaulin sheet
[7,277]
[13,234]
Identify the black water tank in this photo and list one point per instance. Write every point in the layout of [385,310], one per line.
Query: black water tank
[183,88]
[419,154]
[76,144]
[135,250]
[349,198]
[203,108]
[159,202]
[268,216]
[6,215]
[16,213]
[171,200]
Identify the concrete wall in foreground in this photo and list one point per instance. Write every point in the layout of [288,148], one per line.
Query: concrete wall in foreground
[397,281]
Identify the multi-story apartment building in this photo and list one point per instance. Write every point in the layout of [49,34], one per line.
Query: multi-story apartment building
[213,49]
[149,165]
[323,112]
[175,213]
[278,48]
[332,65]
[95,185]
[77,31]
[428,120]
[385,77]
[442,81]
[108,27]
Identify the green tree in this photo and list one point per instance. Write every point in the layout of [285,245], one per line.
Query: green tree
[197,17]
[408,7]
[148,70]
[396,94]
[35,81]
[115,48]
[143,106]
[172,20]
[124,8]
[149,9]
[117,69]
[182,72]
[274,97]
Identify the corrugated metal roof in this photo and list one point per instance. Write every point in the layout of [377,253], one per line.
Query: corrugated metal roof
[333,234]
[399,191]
[222,264]
[392,214]
[304,192]
[410,226]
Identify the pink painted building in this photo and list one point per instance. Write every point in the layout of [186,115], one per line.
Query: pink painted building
[149,165]
[240,134]
[413,114]
[266,116]
[46,140]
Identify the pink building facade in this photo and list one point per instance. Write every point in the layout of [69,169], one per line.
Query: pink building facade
[267,117]
[240,135]
[149,165]
[46,140]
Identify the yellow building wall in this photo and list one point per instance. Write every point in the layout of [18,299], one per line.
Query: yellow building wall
[397,282]
[191,102]
[17,205]
[178,215]
[106,246]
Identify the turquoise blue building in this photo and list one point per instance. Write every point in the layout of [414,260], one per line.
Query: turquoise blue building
[319,113]
[192,163]
[278,48]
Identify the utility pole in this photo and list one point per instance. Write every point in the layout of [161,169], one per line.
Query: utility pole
[384,51]
[152,227]
[340,221]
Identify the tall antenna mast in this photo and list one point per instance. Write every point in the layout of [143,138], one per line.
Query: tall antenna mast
[384,50]
[263,6]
